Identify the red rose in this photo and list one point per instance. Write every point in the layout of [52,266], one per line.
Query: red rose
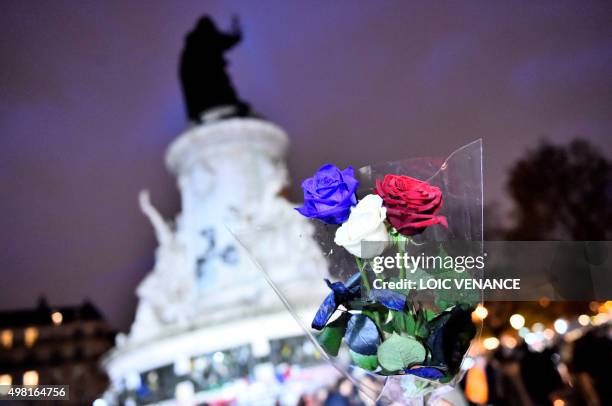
[411,204]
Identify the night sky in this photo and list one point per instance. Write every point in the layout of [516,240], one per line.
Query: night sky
[89,100]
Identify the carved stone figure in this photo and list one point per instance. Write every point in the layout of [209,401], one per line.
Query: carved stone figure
[166,294]
[163,233]
[206,84]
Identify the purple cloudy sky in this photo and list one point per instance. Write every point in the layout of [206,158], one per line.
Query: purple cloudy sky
[89,100]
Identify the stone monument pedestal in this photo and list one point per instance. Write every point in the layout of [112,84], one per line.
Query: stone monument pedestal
[204,300]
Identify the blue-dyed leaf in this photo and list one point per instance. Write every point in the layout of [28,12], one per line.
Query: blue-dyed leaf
[353,281]
[362,335]
[327,308]
[388,298]
[426,372]
[340,294]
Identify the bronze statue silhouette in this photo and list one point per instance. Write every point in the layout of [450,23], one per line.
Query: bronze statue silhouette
[206,84]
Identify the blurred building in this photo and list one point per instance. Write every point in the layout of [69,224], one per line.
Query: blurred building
[50,345]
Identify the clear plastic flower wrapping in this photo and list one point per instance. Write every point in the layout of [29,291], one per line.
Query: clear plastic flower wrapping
[428,330]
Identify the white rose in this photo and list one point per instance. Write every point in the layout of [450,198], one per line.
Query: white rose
[365,223]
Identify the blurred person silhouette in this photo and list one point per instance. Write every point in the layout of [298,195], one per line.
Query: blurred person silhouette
[591,363]
[504,380]
[308,400]
[539,374]
[344,393]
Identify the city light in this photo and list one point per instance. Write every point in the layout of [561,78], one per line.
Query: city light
[57,318]
[508,341]
[490,343]
[30,336]
[132,381]
[468,362]
[517,321]
[584,320]
[184,391]
[480,313]
[7,338]
[531,338]
[549,334]
[476,388]
[182,365]
[544,301]
[30,378]
[561,326]
[600,319]
[218,357]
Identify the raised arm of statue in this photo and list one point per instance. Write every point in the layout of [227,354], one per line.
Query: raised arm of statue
[162,229]
[229,40]
[236,29]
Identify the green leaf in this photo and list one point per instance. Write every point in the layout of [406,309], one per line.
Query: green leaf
[399,352]
[378,314]
[446,298]
[415,323]
[388,327]
[429,314]
[421,330]
[384,372]
[368,362]
[331,336]
[403,323]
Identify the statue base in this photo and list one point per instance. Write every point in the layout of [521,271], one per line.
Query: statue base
[205,310]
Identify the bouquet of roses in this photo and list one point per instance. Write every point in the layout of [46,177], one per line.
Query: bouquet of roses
[385,332]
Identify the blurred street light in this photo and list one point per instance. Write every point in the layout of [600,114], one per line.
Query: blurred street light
[561,326]
[584,320]
[490,343]
[517,321]
[480,313]
[57,318]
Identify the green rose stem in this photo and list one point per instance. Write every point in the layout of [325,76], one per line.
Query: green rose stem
[373,314]
[378,276]
[364,276]
[402,241]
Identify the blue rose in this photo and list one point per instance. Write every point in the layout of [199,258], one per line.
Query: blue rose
[329,194]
